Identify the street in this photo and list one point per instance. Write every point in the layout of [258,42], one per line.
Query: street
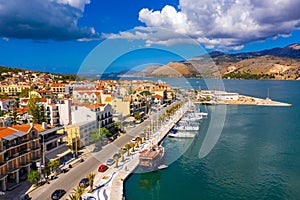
[70,180]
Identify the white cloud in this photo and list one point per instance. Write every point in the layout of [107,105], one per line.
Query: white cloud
[44,19]
[222,24]
[80,4]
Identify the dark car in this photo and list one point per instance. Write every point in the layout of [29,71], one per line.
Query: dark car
[57,194]
[96,149]
[24,197]
[84,183]
[102,168]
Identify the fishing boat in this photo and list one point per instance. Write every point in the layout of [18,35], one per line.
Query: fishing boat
[150,159]
[181,135]
[186,128]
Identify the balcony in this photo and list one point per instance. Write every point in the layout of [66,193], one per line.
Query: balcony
[2,163]
[36,158]
[12,169]
[24,163]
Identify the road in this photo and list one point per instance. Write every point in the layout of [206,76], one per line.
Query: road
[70,180]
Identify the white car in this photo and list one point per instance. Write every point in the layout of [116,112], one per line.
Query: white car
[110,162]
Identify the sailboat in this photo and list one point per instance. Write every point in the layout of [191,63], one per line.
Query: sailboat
[268,96]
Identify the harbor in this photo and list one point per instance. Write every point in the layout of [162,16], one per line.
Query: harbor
[111,184]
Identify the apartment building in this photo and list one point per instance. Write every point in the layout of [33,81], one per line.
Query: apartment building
[19,148]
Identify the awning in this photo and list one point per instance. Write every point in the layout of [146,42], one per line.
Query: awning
[50,130]
[14,136]
[58,153]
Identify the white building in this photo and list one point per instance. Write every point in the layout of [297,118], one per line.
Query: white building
[222,95]
[58,113]
[102,113]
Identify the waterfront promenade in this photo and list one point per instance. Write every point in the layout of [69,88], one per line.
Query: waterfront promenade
[116,188]
[110,184]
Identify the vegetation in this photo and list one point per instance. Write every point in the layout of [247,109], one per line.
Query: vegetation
[128,147]
[78,192]
[116,158]
[36,109]
[13,115]
[91,178]
[53,164]
[240,75]
[137,115]
[145,93]
[72,196]
[122,152]
[98,135]
[34,177]
[24,93]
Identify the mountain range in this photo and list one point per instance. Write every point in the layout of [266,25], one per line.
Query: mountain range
[276,63]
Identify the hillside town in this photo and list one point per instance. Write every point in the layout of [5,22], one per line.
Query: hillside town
[44,120]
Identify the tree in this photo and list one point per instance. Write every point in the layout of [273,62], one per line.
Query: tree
[116,158]
[53,164]
[145,93]
[132,145]
[79,192]
[24,92]
[91,178]
[72,196]
[34,177]
[95,136]
[122,152]
[36,109]
[137,115]
[128,147]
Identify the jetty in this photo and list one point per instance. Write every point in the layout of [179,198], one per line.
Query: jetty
[212,97]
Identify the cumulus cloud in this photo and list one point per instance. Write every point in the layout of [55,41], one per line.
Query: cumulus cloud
[44,19]
[223,24]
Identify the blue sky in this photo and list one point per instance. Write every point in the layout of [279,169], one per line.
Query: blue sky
[58,35]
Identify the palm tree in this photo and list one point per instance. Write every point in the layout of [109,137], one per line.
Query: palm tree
[79,192]
[132,145]
[128,147]
[91,178]
[72,196]
[140,140]
[122,152]
[116,158]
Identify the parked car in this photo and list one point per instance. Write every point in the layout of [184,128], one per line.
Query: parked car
[122,130]
[102,168]
[110,140]
[110,162]
[133,139]
[84,183]
[57,194]
[24,197]
[96,149]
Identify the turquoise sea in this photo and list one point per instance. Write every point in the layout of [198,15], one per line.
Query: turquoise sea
[256,157]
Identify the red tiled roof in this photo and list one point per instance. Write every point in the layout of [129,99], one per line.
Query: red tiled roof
[157,96]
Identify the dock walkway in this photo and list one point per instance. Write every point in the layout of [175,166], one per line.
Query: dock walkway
[116,186]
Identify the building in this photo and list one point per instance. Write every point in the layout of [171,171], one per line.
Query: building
[79,133]
[59,113]
[12,89]
[102,113]
[19,148]
[222,95]
[52,145]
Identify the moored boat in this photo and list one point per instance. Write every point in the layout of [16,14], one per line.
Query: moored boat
[151,158]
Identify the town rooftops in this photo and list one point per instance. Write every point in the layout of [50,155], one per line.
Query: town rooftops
[157,96]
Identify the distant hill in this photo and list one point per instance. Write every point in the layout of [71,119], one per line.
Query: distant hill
[277,63]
